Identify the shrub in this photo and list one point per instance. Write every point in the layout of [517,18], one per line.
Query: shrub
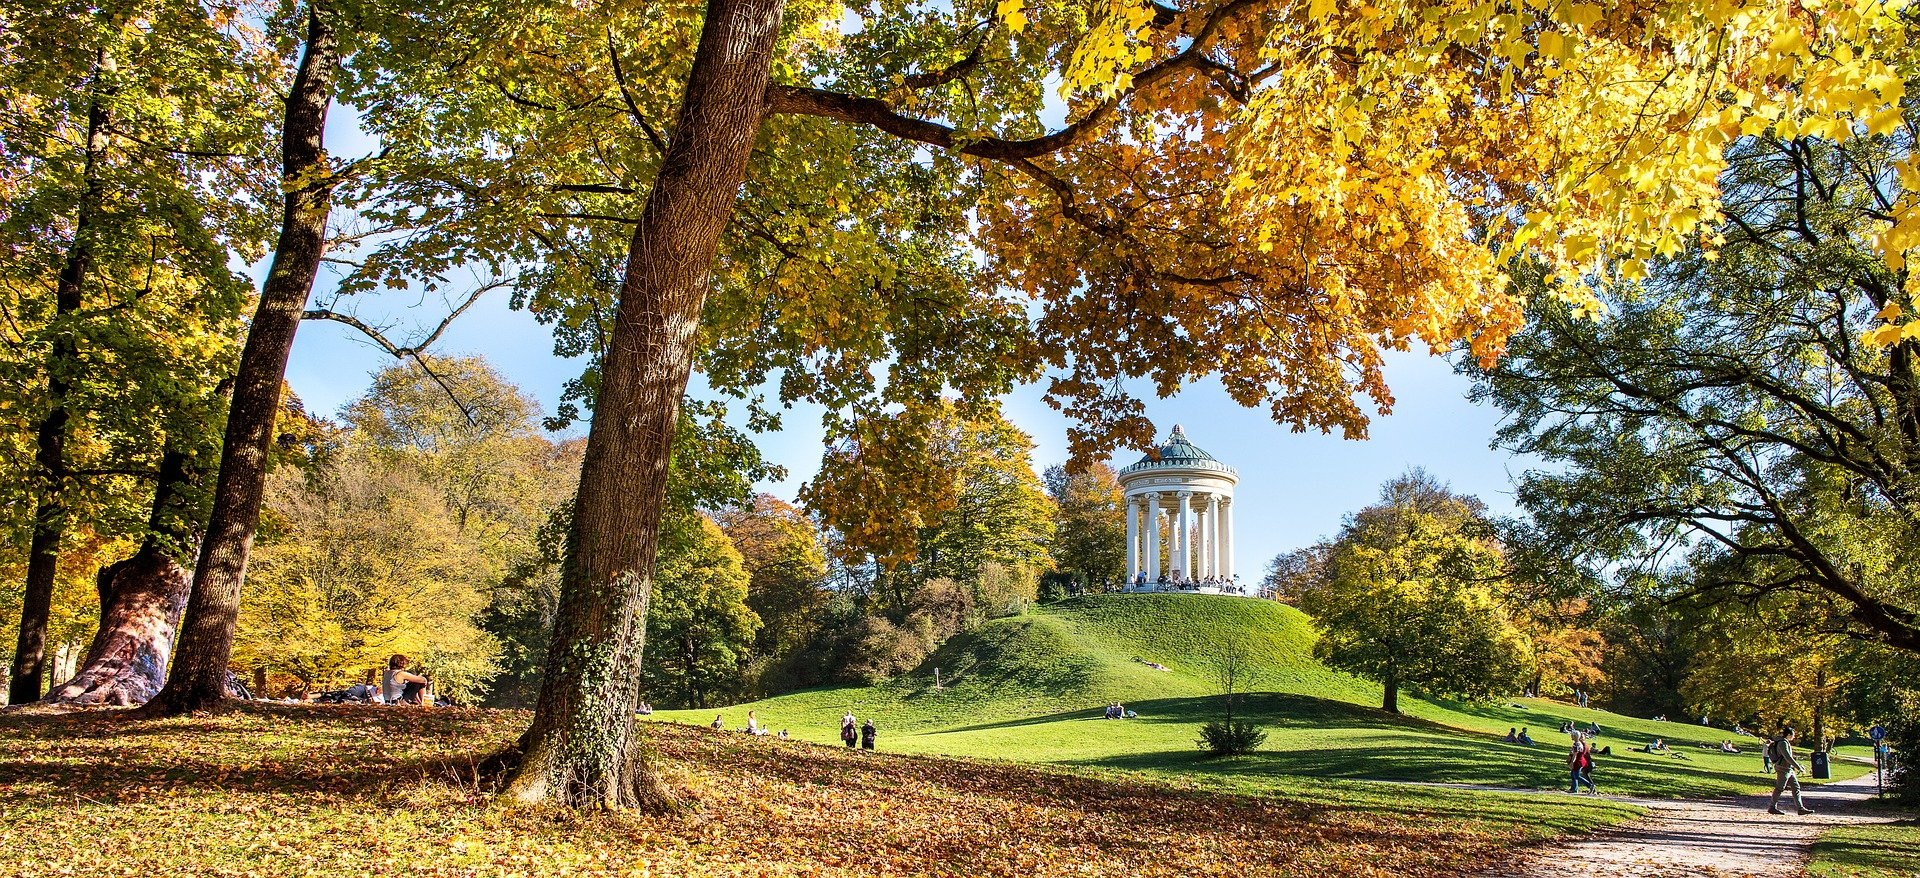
[1230,737]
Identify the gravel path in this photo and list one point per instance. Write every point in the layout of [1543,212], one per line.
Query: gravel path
[1726,838]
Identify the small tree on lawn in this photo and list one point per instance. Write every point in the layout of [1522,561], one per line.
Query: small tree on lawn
[1231,666]
[1406,597]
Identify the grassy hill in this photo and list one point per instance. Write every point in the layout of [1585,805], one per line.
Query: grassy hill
[1031,689]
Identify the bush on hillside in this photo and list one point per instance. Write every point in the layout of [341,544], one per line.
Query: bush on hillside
[1061,584]
[1231,737]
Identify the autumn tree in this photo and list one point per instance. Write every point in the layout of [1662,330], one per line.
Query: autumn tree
[126,192]
[700,624]
[1408,597]
[360,562]
[1000,516]
[435,495]
[786,569]
[802,200]
[1089,522]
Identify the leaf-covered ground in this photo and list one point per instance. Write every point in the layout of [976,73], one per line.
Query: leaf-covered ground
[364,790]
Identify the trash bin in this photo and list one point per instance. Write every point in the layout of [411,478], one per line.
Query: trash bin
[1820,769]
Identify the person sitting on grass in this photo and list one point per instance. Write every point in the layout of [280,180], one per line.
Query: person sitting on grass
[1659,745]
[644,709]
[1525,738]
[401,686]
[1728,747]
[1513,736]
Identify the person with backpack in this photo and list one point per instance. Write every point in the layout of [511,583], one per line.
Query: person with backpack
[1580,765]
[1786,771]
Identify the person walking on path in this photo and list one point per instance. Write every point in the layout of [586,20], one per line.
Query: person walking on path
[848,733]
[1786,772]
[1580,765]
[867,733]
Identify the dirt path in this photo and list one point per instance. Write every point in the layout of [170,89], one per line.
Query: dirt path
[1727,838]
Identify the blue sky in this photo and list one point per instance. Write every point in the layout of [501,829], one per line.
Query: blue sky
[1294,487]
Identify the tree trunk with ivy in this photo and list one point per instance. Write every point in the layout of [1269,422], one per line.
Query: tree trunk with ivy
[201,679]
[581,750]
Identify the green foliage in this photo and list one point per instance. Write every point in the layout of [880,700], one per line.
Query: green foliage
[1406,597]
[1089,525]
[1725,415]
[128,162]
[700,630]
[1231,737]
[1058,585]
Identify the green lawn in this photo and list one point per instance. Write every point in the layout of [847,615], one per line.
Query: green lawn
[1887,850]
[1031,689]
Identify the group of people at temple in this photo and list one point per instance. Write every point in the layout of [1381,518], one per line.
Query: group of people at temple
[1178,581]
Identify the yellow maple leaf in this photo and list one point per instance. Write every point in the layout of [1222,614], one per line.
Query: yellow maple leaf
[1891,312]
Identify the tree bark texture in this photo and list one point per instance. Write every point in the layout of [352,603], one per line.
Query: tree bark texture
[50,435]
[1390,694]
[140,603]
[580,749]
[141,599]
[200,679]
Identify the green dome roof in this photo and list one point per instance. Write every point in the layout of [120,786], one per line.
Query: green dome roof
[1178,452]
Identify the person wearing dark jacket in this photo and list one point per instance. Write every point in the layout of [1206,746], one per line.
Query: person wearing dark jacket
[867,733]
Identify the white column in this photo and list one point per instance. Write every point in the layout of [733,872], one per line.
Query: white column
[1133,540]
[1183,531]
[1226,538]
[1214,568]
[1153,536]
[1201,543]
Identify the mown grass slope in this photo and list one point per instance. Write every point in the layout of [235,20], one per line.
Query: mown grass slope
[1031,689]
[274,790]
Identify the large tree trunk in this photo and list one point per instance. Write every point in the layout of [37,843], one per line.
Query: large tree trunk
[141,599]
[50,435]
[580,750]
[200,674]
[140,603]
[1390,694]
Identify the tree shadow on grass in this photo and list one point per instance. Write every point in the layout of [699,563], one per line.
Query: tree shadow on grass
[1022,654]
[1446,758]
[1871,848]
[1277,709]
[350,751]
